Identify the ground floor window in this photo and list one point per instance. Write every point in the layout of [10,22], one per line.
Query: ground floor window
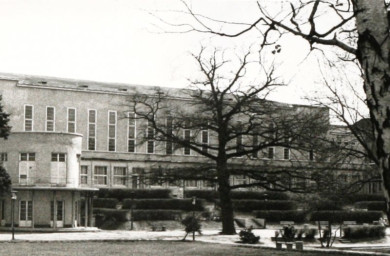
[25,213]
[100,175]
[120,176]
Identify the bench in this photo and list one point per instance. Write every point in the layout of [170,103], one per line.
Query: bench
[286,223]
[349,223]
[289,245]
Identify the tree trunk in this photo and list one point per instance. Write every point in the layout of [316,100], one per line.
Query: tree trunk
[373,55]
[227,215]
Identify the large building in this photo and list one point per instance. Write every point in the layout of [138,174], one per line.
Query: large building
[69,138]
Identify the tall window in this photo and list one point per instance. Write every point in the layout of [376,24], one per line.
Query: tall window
[239,146]
[3,157]
[205,140]
[286,150]
[271,153]
[92,129]
[28,118]
[169,144]
[311,155]
[26,167]
[120,176]
[131,133]
[255,143]
[111,130]
[50,119]
[100,175]
[71,120]
[84,174]
[187,138]
[150,137]
[58,168]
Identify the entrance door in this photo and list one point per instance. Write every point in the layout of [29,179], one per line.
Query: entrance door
[60,214]
[25,213]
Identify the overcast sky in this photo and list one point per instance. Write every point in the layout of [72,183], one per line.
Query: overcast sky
[117,41]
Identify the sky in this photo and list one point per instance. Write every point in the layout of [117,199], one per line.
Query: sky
[124,41]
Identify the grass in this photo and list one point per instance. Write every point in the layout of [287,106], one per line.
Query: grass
[137,248]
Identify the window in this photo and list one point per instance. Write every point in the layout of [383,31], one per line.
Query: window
[240,179]
[191,183]
[50,119]
[111,130]
[205,140]
[27,156]
[131,133]
[28,118]
[239,146]
[311,155]
[120,176]
[25,211]
[286,150]
[84,174]
[100,175]
[58,157]
[92,129]
[60,210]
[71,120]
[255,143]
[150,137]
[3,157]
[169,144]
[271,153]
[187,137]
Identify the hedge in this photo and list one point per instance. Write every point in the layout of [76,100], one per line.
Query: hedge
[372,231]
[251,205]
[211,195]
[105,202]
[325,205]
[121,194]
[371,205]
[277,216]
[340,216]
[156,215]
[117,215]
[171,204]
[364,197]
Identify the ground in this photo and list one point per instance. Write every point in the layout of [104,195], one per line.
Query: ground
[138,248]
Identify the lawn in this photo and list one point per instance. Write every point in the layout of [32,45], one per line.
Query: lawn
[139,248]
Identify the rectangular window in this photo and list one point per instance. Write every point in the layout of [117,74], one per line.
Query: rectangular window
[131,133]
[169,144]
[187,138]
[3,157]
[286,153]
[111,130]
[60,211]
[50,119]
[58,157]
[120,176]
[25,211]
[27,156]
[255,143]
[28,118]
[191,183]
[150,137]
[92,129]
[84,174]
[271,153]
[100,175]
[71,120]
[239,146]
[205,140]
[311,155]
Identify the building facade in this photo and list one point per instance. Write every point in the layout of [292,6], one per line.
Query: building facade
[69,138]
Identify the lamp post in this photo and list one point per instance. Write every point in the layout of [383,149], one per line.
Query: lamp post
[193,218]
[13,199]
[132,193]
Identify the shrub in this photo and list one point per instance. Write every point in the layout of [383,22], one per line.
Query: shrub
[191,224]
[172,204]
[138,193]
[340,216]
[277,216]
[251,205]
[269,195]
[371,205]
[247,236]
[105,202]
[289,232]
[113,214]
[156,215]
[209,195]
[364,197]
[325,205]
[357,232]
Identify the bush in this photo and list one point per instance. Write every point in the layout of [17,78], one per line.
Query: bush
[251,205]
[191,224]
[113,214]
[277,216]
[364,197]
[340,216]
[156,215]
[357,232]
[105,202]
[325,205]
[209,195]
[269,195]
[247,236]
[171,204]
[121,194]
[371,205]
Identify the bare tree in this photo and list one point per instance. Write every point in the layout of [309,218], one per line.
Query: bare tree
[357,28]
[228,123]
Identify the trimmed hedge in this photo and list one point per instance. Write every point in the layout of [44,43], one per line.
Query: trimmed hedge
[371,205]
[156,215]
[277,216]
[211,195]
[171,204]
[121,194]
[325,205]
[364,197]
[105,202]
[251,205]
[340,216]
[114,214]
[372,231]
